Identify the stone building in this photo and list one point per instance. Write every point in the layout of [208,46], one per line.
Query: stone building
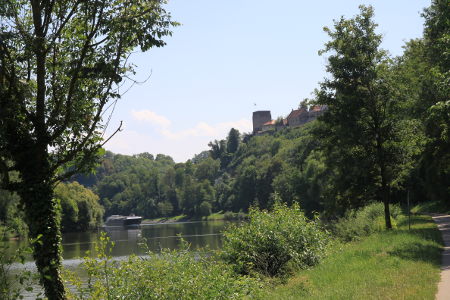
[297,117]
[262,120]
[302,115]
[268,125]
[259,118]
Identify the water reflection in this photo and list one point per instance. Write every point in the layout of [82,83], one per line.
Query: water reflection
[155,236]
[128,241]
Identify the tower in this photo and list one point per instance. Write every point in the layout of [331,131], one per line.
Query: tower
[259,118]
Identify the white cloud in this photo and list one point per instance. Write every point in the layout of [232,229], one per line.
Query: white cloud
[181,144]
[151,117]
[132,142]
[201,129]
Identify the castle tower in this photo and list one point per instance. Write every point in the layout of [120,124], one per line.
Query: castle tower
[259,118]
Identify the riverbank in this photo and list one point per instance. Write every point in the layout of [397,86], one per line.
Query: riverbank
[218,216]
[400,264]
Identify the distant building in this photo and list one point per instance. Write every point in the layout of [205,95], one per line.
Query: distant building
[297,117]
[262,120]
[268,125]
[259,118]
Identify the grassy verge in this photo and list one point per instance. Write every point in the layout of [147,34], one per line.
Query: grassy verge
[400,264]
[428,207]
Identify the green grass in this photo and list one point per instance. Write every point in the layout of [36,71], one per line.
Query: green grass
[182,218]
[216,216]
[430,207]
[400,264]
[178,218]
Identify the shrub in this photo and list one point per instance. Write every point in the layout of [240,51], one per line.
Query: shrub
[231,216]
[365,221]
[13,284]
[272,243]
[176,274]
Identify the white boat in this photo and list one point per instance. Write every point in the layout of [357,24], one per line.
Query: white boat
[128,221]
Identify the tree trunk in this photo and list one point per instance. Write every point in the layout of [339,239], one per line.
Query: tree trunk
[384,186]
[44,223]
[387,214]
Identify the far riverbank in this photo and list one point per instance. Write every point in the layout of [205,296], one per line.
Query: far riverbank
[219,216]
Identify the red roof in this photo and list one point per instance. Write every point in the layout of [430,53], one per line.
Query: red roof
[317,108]
[296,113]
[270,123]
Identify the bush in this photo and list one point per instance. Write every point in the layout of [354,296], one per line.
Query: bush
[231,216]
[273,243]
[176,274]
[365,221]
[13,284]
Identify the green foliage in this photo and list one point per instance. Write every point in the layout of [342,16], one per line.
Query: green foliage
[231,216]
[204,209]
[11,216]
[364,221]
[369,148]
[80,208]
[233,140]
[12,285]
[396,264]
[62,65]
[273,243]
[431,207]
[178,274]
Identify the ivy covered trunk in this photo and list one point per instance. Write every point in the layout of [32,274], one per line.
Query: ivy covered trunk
[61,64]
[44,223]
[42,217]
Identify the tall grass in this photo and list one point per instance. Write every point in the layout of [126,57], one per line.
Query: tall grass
[365,221]
[397,264]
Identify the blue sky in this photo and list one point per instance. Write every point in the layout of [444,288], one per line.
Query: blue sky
[230,55]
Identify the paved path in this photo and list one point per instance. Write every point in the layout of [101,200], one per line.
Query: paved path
[443,223]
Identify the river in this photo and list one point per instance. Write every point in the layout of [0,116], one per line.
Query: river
[129,241]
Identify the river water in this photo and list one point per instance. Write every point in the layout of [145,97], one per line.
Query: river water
[156,236]
[199,235]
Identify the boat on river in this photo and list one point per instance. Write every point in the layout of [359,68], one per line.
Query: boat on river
[125,221]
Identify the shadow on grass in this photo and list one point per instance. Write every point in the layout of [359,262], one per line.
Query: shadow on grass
[419,252]
[421,226]
[428,251]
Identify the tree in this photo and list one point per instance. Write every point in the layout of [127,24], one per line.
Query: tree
[80,207]
[207,169]
[61,66]
[204,209]
[233,140]
[365,141]
[436,93]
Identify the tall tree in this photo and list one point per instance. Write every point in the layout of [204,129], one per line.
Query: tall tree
[61,68]
[436,93]
[233,140]
[364,140]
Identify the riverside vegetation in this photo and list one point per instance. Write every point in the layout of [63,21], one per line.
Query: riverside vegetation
[385,132]
[278,255]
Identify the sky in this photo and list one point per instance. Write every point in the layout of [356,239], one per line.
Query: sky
[232,57]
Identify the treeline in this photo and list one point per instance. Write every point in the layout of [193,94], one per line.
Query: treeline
[386,131]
